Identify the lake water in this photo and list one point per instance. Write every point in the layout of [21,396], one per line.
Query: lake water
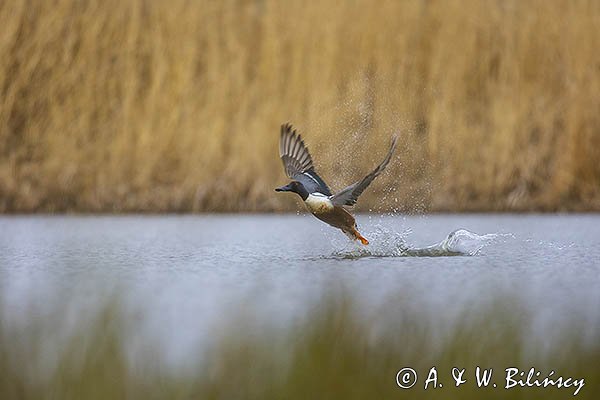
[184,276]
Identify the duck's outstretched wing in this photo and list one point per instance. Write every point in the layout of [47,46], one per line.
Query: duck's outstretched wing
[349,195]
[297,161]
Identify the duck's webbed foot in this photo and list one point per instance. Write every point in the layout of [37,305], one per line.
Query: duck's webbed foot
[355,235]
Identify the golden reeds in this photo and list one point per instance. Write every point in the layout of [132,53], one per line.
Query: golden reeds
[175,105]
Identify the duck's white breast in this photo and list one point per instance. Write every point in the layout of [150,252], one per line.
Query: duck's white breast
[318,203]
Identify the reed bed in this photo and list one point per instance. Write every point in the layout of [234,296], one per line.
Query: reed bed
[114,106]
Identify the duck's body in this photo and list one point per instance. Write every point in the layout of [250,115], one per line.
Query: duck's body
[322,207]
[314,191]
[318,203]
[340,218]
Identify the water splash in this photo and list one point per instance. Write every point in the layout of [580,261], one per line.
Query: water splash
[460,242]
[386,243]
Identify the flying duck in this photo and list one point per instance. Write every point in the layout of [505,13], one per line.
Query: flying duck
[328,207]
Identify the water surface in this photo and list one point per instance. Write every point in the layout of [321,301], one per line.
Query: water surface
[183,277]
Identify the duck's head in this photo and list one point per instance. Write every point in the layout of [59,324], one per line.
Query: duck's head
[296,187]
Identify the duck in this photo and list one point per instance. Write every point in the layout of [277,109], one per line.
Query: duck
[318,198]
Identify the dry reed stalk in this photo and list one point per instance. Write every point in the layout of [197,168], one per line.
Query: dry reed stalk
[175,105]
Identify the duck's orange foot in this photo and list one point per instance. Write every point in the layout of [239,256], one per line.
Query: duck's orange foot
[353,234]
[362,239]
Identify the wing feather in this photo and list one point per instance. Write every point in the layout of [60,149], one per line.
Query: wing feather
[294,154]
[349,195]
[297,162]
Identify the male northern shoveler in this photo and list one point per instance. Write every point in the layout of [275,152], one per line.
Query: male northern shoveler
[329,208]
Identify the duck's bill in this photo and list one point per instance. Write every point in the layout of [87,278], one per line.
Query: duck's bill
[286,188]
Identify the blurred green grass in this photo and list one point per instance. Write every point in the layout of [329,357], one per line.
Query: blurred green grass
[338,351]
